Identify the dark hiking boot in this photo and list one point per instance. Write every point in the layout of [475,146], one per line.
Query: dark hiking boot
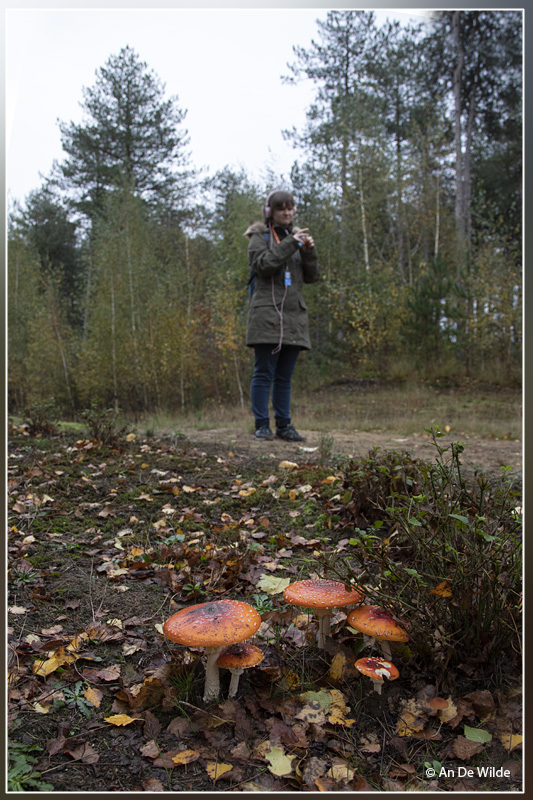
[263,432]
[289,434]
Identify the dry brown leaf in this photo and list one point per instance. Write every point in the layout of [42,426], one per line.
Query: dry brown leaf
[109,673]
[84,753]
[314,768]
[150,749]
[152,785]
[465,749]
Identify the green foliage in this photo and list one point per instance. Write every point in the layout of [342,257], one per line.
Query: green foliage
[103,424]
[41,417]
[74,698]
[131,135]
[127,302]
[22,775]
[443,552]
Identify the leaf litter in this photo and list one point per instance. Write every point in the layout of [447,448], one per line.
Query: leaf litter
[104,544]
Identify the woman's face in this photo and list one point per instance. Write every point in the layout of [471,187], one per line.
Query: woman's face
[283,216]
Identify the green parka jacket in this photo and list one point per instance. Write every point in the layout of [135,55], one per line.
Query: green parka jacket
[287,318]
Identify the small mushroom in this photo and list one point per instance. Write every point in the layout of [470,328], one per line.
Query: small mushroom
[322,595]
[237,658]
[377,669]
[214,626]
[378,624]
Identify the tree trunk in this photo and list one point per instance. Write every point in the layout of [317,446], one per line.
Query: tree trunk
[459,174]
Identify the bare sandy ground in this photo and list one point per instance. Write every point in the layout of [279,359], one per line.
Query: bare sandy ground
[489,455]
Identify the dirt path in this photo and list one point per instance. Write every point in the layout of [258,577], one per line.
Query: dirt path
[488,454]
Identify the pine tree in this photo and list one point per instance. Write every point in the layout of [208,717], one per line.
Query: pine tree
[131,137]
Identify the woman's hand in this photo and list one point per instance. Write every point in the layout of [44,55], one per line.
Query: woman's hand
[304,239]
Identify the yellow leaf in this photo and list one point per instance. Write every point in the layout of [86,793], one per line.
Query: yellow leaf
[337,667]
[442,589]
[186,756]
[46,667]
[215,770]
[288,465]
[339,710]
[510,740]
[280,764]
[120,719]
[93,696]
[341,772]
[291,680]
[246,492]
[42,708]
[272,585]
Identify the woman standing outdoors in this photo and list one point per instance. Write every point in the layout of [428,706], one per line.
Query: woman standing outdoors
[282,258]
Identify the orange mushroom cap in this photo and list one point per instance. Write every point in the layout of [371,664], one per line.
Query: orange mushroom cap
[240,656]
[377,668]
[215,624]
[376,622]
[321,593]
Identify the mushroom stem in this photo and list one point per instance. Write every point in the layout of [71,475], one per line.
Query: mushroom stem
[324,626]
[212,681]
[234,683]
[386,649]
[378,685]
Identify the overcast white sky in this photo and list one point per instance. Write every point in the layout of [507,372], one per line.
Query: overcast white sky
[224,65]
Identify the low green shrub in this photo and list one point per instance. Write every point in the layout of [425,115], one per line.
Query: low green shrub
[442,551]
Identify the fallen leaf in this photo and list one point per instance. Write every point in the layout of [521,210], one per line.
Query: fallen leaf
[312,712]
[465,749]
[477,734]
[341,772]
[287,465]
[280,763]
[186,756]
[17,610]
[47,666]
[84,753]
[272,585]
[442,589]
[337,667]
[510,740]
[121,719]
[215,770]
[150,749]
[93,696]
[152,785]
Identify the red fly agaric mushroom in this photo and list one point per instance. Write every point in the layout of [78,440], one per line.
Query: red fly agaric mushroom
[323,595]
[237,658]
[377,669]
[378,624]
[213,626]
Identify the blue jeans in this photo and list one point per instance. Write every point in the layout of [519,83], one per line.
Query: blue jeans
[273,371]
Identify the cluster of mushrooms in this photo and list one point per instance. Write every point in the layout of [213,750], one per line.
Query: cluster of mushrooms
[223,626]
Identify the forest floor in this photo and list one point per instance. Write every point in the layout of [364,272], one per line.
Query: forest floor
[106,542]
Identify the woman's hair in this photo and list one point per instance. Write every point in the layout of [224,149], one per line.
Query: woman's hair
[278,199]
